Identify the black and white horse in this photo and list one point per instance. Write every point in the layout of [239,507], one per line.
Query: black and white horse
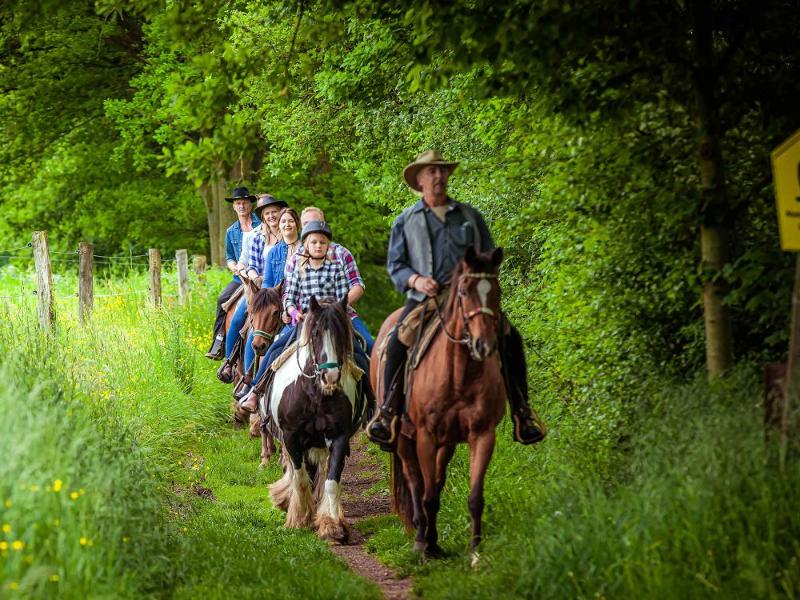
[314,410]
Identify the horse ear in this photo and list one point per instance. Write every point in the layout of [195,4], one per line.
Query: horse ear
[279,288]
[470,254]
[497,257]
[313,304]
[343,303]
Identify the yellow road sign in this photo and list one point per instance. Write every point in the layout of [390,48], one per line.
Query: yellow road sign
[786,178]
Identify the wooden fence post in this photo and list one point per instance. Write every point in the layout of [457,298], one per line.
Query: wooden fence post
[155,276]
[200,267]
[85,281]
[182,260]
[44,281]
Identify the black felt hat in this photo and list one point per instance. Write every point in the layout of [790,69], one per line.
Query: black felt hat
[241,193]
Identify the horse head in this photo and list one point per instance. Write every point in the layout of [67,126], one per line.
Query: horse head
[328,331]
[265,311]
[475,300]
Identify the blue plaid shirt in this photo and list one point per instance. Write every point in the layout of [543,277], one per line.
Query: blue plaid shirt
[328,282]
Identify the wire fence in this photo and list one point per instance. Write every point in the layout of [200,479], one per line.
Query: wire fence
[73,257]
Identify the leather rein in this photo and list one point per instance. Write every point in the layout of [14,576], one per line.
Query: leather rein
[466,338]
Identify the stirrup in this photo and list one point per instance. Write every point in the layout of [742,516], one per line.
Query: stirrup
[386,443]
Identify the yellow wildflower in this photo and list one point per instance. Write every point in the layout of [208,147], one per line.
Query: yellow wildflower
[74,495]
[18,545]
[8,503]
[126,539]
[3,546]
[6,528]
[54,577]
[57,484]
[13,585]
[85,541]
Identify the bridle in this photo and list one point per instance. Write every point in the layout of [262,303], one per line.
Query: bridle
[466,338]
[318,367]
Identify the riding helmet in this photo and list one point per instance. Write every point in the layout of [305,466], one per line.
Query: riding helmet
[316,227]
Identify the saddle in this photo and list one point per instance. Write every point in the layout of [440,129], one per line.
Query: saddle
[365,398]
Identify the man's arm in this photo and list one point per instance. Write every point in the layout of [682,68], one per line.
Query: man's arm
[397,262]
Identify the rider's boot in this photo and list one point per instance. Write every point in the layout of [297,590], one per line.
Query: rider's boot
[251,404]
[384,427]
[528,427]
[225,372]
[217,350]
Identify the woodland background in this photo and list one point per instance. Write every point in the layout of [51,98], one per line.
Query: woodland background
[620,151]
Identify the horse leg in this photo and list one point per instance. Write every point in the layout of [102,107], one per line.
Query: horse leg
[281,491]
[298,512]
[330,521]
[443,457]
[407,453]
[480,453]
[427,453]
[267,445]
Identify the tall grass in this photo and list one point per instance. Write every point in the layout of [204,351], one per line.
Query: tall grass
[91,421]
[695,512]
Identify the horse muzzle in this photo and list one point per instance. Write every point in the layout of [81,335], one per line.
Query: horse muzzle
[481,349]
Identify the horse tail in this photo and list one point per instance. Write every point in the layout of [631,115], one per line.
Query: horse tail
[402,502]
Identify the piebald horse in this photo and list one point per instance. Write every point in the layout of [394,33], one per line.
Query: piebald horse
[313,410]
[457,396]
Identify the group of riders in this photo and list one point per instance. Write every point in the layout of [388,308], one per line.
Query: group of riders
[271,244]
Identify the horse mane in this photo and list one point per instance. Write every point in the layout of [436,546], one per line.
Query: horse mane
[265,297]
[331,317]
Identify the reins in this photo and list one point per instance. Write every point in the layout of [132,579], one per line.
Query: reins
[466,339]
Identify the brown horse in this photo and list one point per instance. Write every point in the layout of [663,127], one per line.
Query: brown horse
[457,396]
[264,319]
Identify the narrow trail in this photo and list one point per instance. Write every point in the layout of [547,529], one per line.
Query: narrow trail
[361,474]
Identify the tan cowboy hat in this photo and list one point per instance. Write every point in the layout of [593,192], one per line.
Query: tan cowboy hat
[429,157]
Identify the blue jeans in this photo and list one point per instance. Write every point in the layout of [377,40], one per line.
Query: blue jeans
[278,345]
[361,328]
[237,323]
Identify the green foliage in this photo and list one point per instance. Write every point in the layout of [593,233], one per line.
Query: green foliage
[699,512]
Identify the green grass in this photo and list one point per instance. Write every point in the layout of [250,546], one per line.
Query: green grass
[695,512]
[105,431]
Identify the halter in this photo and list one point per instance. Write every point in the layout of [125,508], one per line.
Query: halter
[318,368]
[466,337]
[264,334]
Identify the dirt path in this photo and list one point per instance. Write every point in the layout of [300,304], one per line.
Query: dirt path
[361,473]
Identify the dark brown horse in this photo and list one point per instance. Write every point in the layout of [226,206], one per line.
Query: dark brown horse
[264,319]
[457,396]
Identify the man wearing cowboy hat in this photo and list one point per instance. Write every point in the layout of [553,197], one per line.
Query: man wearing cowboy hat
[427,241]
[242,201]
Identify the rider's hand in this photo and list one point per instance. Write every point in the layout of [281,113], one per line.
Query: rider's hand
[427,285]
[286,318]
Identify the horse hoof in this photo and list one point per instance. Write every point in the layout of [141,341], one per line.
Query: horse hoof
[419,547]
[264,463]
[332,529]
[434,552]
[474,561]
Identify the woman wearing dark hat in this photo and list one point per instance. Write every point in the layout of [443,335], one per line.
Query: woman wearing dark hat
[267,209]
[242,201]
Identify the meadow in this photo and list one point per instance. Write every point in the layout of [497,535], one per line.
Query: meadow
[123,478]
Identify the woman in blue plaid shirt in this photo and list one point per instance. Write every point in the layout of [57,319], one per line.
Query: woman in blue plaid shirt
[317,276]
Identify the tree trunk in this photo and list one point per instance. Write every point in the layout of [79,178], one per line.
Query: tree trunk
[715,210]
[219,213]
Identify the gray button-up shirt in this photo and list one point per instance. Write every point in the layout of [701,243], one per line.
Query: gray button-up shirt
[449,240]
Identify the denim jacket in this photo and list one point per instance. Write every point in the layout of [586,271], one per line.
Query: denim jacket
[233,241]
